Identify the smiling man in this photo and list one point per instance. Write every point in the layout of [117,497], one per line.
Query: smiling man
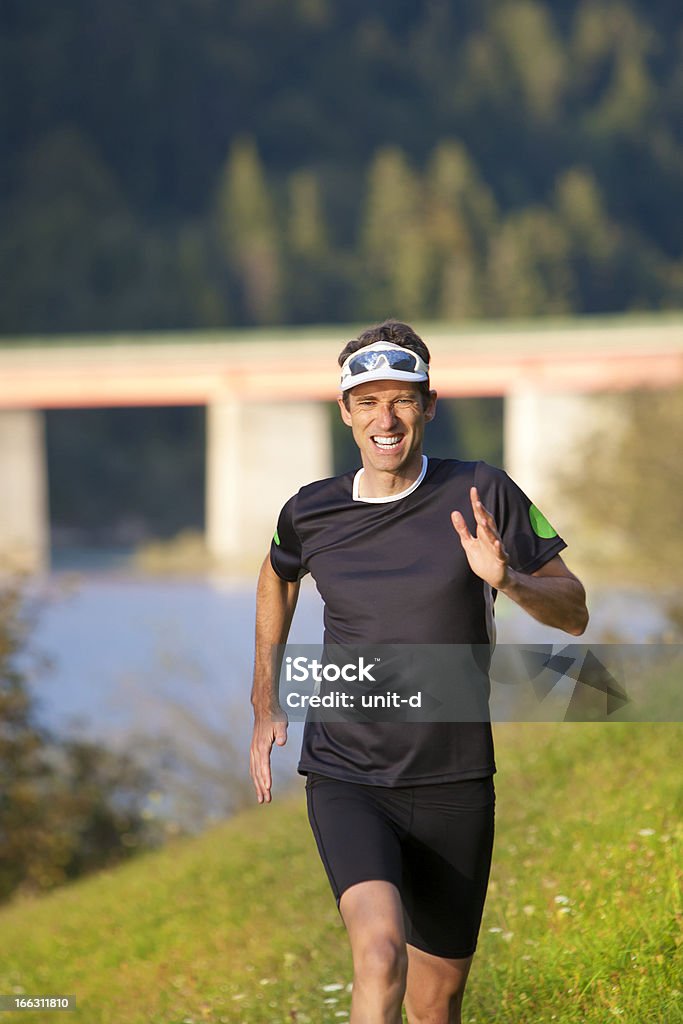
[406,550]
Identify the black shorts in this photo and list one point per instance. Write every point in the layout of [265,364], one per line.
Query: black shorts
[432,842]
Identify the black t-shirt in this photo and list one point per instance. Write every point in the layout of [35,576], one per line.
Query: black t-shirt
[394,572]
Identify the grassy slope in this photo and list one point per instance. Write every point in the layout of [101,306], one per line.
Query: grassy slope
[583,920]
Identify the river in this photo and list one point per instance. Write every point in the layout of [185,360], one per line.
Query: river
[117,639]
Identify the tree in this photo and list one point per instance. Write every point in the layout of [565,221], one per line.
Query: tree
[66,806]
[530,57]
[68,243]
[529,266]
[32,851]
[394,252]
[310,265]
[249,233]
[163,197]
[611,47]
[460,219]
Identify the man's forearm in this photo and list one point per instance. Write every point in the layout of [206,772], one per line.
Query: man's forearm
[275,603]
[558,601]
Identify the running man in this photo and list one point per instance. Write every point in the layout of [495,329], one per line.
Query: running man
[409,550]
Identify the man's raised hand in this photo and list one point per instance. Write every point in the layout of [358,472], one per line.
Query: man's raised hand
[485,553]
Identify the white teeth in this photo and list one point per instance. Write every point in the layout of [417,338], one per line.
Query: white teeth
[386,442]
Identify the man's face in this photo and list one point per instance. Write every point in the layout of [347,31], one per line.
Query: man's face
[388,418]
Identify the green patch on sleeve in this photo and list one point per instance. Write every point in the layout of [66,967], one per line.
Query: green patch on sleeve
[540,525]
[276,538]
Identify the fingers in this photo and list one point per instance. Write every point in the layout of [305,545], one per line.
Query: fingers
[259,769]
[259,765]
[460,527]
[265,734]
[486,524]
[481,514]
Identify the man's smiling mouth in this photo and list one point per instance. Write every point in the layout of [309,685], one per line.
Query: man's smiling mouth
[387,442]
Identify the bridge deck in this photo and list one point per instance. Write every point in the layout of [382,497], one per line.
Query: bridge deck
[188,368]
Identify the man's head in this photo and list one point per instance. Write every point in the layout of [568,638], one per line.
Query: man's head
[385,396]
[384,361]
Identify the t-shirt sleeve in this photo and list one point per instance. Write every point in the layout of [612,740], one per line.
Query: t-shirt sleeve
[285,549]
[529,538]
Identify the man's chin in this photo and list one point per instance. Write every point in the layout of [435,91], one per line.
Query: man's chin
[397,463]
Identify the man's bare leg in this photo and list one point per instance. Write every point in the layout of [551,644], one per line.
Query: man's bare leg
[435,988]
[373,917]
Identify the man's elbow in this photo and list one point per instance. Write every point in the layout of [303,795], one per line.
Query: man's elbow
[579,623]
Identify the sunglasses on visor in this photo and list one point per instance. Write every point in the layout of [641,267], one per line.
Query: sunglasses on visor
[366,361]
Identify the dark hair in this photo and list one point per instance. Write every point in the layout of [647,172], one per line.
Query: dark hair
[398,334]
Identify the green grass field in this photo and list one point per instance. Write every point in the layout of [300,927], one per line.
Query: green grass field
[582,924]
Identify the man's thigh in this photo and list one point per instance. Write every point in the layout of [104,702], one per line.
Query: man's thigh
[446,866]
[358,840]
[432,843]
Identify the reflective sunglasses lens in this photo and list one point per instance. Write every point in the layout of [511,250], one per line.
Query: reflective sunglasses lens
[365,361]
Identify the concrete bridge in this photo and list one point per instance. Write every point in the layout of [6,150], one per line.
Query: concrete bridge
[267,415]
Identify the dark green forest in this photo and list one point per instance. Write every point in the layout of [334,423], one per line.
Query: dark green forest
[191,163]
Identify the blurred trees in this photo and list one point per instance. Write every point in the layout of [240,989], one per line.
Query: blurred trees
[67,806]
[250,238]
[461,217]
[237,164]
[393,242]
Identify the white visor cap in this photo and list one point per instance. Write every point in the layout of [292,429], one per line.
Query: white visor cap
[382,361]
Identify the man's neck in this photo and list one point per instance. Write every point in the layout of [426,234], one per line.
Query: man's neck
[376,483]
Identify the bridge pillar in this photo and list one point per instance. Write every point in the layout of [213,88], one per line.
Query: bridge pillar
[258,455]
[24,518]
[547,434]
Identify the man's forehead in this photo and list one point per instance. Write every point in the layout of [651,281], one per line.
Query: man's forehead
[385,388]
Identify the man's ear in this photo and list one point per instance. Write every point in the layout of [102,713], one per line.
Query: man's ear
[430,410]
[345,414]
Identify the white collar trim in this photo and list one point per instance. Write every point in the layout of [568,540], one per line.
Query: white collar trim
[390,497]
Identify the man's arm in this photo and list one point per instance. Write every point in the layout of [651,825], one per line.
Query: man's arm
[553,595]
[275,603]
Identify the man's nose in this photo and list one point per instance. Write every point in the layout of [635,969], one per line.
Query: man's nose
[386,416]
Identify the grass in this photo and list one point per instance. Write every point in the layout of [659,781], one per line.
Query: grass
[582,924]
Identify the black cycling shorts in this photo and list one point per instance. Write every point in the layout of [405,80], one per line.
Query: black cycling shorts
[432,842]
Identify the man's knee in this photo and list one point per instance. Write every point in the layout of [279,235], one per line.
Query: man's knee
[435,989]
[380,960]
[434,1008]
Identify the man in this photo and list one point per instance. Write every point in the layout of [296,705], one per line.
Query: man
[407,550]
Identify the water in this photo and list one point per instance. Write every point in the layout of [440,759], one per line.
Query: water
[136,659]
[122,645]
